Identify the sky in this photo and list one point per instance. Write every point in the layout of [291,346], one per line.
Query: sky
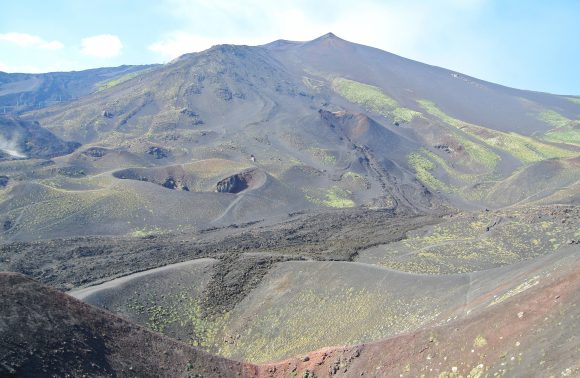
[527,44]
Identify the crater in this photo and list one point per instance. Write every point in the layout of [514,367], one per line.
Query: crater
[172,177]
[96,152]
[204,176]
[239,182]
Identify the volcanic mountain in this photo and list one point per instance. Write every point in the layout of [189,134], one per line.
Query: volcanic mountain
[262,202]
[330,124]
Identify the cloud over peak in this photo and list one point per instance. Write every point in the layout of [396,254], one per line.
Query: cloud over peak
[102,46]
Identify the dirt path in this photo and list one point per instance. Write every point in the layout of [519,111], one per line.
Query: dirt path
[85,292]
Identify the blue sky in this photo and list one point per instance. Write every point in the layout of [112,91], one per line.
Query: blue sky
[525,44]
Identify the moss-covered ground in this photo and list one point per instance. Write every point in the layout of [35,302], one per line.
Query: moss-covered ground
[477,241]
[373,99]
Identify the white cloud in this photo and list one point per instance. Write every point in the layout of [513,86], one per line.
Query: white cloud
[29,40]
[395,26]
[4,67]
[179,43]
[101,46]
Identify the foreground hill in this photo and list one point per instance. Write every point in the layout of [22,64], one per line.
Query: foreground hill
[523,324]
[47,333]
[525,328]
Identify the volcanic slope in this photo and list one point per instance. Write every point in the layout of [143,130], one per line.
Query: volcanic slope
[333,123]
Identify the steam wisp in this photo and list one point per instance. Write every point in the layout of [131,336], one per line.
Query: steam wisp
[10,147]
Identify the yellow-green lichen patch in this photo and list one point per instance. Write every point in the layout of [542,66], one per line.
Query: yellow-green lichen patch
[101,86]
[442,163]
[479,341]
[369,96]
[480,154]
[575,100]
[182,310]
[324,156]
[313,84]
[423,168]
[432,109]
[405,114]
[144,232]
[312,318]
[355,180]
[526,149]
[564,135]
[517,290]
[565,130]
[555,119]
[373,99]
[332,197]
[478,241]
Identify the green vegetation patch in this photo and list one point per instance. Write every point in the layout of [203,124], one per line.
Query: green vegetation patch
[355,180]
[565,130]
[101,86]
[180,309]
[373,99]
[575,100]
[146,232]
[465,182]
[369,96]
[432,109]
[312,318]
[423,167]
[555,119]
[405,114]
[527,284]
[570,136]
[323,155]
[478,241]
[476,151]
[313,84]
[526,149]
[332,197]
[479,341]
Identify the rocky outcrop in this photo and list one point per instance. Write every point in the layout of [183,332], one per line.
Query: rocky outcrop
[96,152]
[236,183]
[157,152]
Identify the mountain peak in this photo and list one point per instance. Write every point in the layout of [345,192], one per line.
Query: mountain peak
[328,39]
[329,35]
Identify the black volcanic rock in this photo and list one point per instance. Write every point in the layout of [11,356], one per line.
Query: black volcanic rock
[235,183]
